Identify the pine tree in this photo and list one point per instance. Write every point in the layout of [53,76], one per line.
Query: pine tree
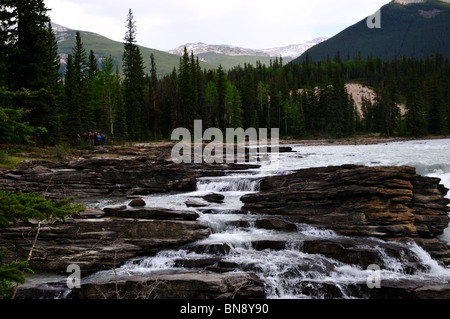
[72,112]
[233,106]
[263,103]
[134,82]
[154,112]
[211,102]
[415,117]
[27,37]
[76,90]
[49,115]
[102,96]
[7,36]
[221,86]
[200,87]
[29,61]
[386,108]
[437,123]
[187,91]
[295,119]
[120,114]
[92,65]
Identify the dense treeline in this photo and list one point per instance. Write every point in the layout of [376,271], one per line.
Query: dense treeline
[304,100]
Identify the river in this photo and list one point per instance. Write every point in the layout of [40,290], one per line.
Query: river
[286,271]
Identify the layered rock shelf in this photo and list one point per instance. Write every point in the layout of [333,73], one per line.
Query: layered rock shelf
[386,202]
[178,285]
[101,177]
[97,240]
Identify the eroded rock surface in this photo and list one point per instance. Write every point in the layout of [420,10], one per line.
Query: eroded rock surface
[101,177]
[96,240]
[385,202]
[177,285]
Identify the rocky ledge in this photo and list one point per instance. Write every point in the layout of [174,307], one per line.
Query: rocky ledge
[391,203]
[97,240]
[101,177]
[176,285]
[384,202]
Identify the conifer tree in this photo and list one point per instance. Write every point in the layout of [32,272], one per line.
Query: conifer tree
[416,115]
[133,82]
[187,91]
[437,123]
[155,112]
[29,61]
[120,129]
[76,90]
[103,96]
[71,97]
[48,113]
[221,86]
[233,106]
[7,34]
[27,37]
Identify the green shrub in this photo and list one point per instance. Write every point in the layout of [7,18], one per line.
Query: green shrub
[22,207]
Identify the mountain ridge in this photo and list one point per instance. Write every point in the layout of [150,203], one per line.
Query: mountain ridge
[288,51]
[105,47]
[210,56]
[411,28]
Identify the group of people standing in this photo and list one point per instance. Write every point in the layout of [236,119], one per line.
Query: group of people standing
[94,138]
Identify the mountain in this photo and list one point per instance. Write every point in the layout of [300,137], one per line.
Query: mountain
[229,56]
[411,28]
[210,56]
[104,47]
[290,51]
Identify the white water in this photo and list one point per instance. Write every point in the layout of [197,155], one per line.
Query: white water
[290,273]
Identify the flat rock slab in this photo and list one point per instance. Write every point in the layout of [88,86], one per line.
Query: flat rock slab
[101,177]
[178,285]
[95,241]
[151,213]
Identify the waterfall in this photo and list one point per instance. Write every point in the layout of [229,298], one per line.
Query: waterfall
[229,184]
[291,272]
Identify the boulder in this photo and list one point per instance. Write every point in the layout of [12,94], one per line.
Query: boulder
[214,198]
[211,248]
[194,203]
[137,202]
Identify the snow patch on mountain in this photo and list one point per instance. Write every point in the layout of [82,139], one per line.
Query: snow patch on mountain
[289,51]
[409,1]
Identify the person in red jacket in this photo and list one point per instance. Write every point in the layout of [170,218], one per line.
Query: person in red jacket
[91,138]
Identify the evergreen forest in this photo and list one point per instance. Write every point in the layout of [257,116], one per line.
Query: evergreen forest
[307,99]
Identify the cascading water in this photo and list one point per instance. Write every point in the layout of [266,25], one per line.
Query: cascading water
[289,272]
[228,184]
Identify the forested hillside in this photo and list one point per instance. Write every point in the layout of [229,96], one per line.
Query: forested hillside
[308,99]
[406,29]
[104,47]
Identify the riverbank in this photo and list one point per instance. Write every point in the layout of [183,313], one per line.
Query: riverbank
[361,140]
[14,155]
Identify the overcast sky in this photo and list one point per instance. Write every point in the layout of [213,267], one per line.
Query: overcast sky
[256,24]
